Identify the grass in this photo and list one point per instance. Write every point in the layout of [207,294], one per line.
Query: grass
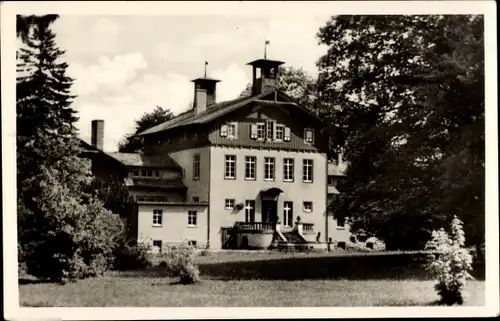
[245,279]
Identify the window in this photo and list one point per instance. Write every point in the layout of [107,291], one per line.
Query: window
[307,170]
[270,130]
[288,169]
[157,217]
[192,218]
[261,130]
[192,243]
[146,173]
[250,211]
[331,180]
[196,199]
[231,130]
[250,165]
[341,222]
[158,244]
[230,167]
[308,207]
[269,168]
[151,199]
[287,134]
[161,199]
[229,203]
[196,167]
[140,198]
[309,135]
[288,213]
[280,132]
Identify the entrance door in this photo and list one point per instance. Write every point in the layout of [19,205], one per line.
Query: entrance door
[269,211]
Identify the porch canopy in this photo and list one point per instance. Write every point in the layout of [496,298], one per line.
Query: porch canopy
[273,191]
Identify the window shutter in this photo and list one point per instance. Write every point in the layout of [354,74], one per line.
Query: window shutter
[223,130]
[274,130]
[287,134]
[253,131]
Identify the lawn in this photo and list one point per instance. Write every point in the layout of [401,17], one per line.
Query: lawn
[246,279]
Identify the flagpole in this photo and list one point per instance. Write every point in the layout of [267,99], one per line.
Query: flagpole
[205,74]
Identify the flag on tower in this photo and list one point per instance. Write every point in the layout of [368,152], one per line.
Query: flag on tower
[267,42]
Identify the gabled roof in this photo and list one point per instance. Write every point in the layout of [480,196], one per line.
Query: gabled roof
[144,160]
[215,111]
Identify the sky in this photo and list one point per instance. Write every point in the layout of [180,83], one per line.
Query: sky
[125,66]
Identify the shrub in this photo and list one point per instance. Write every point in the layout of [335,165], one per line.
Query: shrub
[181,262]
[451,262]
[205,253]
[130,255]
[71,240]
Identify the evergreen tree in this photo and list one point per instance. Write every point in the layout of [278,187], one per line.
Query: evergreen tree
[63,232]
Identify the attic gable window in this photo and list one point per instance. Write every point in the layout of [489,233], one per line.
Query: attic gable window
[228,130]
[258,131]
[280,132]
[270,130]
[309,135]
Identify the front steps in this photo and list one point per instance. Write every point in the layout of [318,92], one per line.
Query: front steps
[296,242]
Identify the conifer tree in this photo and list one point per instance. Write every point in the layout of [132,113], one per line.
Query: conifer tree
[63,232]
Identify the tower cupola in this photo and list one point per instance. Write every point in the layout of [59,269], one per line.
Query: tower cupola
[264,75]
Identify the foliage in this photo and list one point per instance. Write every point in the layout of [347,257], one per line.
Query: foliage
[181,263]
[452,262]
[406,93]
[296,83]
[130,255]
[63,232]
[132,143]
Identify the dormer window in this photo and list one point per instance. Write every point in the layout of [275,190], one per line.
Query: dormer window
[146,173]
[309,135]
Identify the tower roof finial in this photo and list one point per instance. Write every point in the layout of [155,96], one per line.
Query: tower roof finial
[265,48]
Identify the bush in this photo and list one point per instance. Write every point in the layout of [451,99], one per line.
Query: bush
[451,262]
[71,240]
[130,255]
[181,263]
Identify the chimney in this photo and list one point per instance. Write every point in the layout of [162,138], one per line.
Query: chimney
[97,139]
[204,93]
[200,100]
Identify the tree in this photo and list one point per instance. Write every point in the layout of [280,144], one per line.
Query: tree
[296,83]
[25,23]
[406,93]
[132,143]
[63,233]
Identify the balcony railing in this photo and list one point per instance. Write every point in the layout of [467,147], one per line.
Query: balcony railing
[255,226]
[308,227]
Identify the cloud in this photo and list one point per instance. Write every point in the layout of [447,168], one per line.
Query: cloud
[122,71]
[233,81]
[84,35]
[107,73]
[112,89]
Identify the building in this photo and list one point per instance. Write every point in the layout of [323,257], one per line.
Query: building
[245,173]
